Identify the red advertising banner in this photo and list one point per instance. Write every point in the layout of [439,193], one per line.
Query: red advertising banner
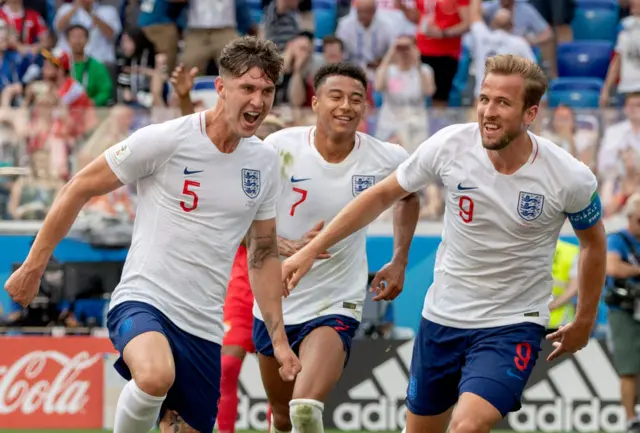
[52,382]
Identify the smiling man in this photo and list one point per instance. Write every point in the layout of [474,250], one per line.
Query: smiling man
[324,168]
[509,193]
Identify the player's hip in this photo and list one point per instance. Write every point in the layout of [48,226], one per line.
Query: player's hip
[203,320]
[299,311]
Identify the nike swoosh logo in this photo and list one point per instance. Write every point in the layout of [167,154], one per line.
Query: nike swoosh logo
[187,172]
[512,374]
[294,180]
[465,188]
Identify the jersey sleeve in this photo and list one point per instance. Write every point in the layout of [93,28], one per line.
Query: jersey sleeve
[396,156]
[583,206]
[423,166]
[267,209]
[142,153]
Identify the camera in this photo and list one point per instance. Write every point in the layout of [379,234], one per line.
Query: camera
[623,294]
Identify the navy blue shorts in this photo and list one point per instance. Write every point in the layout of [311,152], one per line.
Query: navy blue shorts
[196,389]
[493,363]
[346,328]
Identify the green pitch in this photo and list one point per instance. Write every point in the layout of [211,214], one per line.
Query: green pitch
[238,431]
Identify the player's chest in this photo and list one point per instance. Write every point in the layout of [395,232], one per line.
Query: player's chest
[311,189]
[480,199]
[209,188]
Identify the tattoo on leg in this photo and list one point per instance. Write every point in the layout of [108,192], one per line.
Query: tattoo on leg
[176,422]
[261,247]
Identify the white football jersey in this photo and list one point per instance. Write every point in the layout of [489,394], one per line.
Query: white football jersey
[312,190]
[195,204]
[493,266]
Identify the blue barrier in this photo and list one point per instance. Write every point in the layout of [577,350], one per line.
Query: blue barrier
[407,308]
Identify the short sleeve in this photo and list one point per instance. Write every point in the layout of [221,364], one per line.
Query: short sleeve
[536,22]
[622,43]
[423,166]
[582,204]
[109,15]
[142,153]
[267,209]
[615,244]
[396,155]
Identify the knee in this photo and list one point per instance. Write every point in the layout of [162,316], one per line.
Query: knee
[469,424]
[154,379]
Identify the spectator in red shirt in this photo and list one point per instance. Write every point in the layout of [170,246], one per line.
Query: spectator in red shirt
[27,25]
[441,24]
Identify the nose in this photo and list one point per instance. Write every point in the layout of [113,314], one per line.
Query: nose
[490,109]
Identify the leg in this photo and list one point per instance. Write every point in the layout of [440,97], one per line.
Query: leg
[323,356]
[147,361]
[624,330]
[436,363]
[171,422]
[164,38]
[198,51]
[498,364]
[232,357]
[278,391]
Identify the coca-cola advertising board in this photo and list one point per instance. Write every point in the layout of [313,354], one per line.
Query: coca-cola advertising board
[50,382]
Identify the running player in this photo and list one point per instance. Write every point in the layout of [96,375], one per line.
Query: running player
[203,182]
[508,195]
[324,168]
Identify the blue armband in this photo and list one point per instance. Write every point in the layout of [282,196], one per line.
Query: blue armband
[587,217]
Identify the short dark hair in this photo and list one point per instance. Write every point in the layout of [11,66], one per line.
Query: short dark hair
[244,53]
[74,27]
[328,40]
[341,69]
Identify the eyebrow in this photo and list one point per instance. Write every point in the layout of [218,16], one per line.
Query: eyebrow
[342,91]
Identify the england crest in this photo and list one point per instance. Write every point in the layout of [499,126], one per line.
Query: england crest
[530,205]
[361,183]
[251,182]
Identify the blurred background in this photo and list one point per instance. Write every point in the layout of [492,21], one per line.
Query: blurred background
[78,76]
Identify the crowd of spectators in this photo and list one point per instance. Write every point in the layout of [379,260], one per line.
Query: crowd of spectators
[78,76]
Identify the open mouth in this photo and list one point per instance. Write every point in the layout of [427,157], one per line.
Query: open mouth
[491,127]
[343,119]
[251,117]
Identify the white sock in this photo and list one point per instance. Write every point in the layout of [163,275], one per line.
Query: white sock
[306,415]
[137,411]
[275,430]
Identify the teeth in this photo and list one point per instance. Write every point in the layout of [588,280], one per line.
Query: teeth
[491,126]
[343,118]
[253,113]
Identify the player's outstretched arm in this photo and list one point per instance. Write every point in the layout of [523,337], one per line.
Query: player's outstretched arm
[266,282]
[95,179]
[406,213]
[357,214]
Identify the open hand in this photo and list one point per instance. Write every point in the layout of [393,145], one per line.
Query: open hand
[569,338]
[182,80]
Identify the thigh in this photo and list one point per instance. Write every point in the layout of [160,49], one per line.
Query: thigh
[444,69]
[624,331]
[138,333]
[220,38]
[499,362]
[279,392]
[435,370]
[196,390]
[323,355]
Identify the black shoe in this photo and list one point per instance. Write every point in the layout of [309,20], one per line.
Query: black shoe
[634,426]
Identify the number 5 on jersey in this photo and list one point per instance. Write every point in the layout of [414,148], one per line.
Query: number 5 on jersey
[466,209]
[188,189]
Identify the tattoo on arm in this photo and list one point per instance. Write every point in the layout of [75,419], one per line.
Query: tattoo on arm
[272,325]
[260,247]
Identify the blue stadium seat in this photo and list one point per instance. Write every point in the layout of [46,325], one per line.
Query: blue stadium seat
[255,8]
[205,83]
[578,92]
[595,19]
[584,59]
[325,14]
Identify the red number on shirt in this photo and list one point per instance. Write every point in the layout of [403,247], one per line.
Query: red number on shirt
[187,191]
[523,355]
[303,192]
[466,209]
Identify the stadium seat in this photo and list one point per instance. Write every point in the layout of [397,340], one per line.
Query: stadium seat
[204,83]
[255,8]
[584,59]
[595,19]
[575,92]
[325,14]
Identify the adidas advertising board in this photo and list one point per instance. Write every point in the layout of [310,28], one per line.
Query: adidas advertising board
[574,393]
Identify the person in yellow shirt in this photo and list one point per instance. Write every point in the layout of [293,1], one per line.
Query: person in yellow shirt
[564,287]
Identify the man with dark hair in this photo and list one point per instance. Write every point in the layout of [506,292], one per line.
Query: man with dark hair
[324,167]
[204,182]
